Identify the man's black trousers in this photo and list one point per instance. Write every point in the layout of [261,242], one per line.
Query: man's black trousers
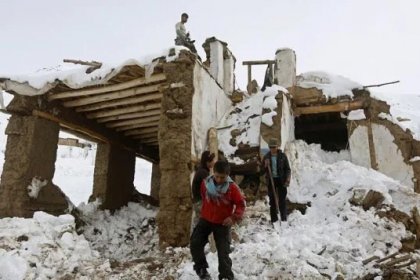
[199,238]
[281,195]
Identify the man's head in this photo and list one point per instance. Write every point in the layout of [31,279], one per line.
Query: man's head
[273,144]
[221,171]
[184,17]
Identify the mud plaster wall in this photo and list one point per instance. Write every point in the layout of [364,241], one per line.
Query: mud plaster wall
[388,156]
[209,105]
[174,217]
[359,144]
[393,146]
[113,176]
[287,123]
[155,182]
[30,152]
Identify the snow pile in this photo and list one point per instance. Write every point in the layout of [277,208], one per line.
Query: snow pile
[332,86]
[46,247]
[332,238]
[404,111]
[76,77]
[126,234]
[246,118]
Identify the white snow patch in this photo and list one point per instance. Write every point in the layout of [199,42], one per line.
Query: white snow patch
[247,117]
[331,85]
[35,186]
[415,159]
[356,115]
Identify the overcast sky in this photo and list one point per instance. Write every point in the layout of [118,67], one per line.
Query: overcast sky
[367,41]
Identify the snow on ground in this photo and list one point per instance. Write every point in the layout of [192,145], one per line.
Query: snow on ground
[332,237]
[331,85]
[404,110]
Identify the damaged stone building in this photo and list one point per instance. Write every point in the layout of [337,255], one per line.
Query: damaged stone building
[168,111]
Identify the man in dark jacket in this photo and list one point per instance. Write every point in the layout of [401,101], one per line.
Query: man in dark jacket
[223,205]
[276,162]
[203,171]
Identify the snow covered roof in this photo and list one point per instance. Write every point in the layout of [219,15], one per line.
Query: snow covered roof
[75,77]
[332,86]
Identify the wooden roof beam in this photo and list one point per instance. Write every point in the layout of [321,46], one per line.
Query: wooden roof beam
[338,107]
[155,112]
[141,131]
[146,135]
[112,96]
[126,101]
[109,88]
[138,125]
[134,121]
[121,111]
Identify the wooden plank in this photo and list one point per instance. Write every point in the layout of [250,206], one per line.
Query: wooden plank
[127,101]
[258,62]
[155,112]
[121,111]
[249,75]
[135,126]
[109,88]
[141,131]
[143,120]
[338,107]
[151,140]
[112,96]
[146,135]
[72,126]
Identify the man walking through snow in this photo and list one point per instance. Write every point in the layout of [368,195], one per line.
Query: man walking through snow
[223,205]
[276,162]
[182,36]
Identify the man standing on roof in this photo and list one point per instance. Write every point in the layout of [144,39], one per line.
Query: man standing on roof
[276,165]
[182,36]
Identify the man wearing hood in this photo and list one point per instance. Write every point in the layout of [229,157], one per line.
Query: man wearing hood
[222,205]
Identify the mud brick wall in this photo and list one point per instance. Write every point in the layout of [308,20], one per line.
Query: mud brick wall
[174,217]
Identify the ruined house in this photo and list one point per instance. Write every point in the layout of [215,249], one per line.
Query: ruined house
[168,111]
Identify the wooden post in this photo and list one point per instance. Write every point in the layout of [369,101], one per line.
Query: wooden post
[249,74]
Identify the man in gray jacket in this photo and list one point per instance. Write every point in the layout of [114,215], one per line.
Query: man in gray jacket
[182,36]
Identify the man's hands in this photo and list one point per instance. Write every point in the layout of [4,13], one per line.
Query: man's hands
[228,221]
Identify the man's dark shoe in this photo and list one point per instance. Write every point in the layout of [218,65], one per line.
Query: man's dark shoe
[203,274]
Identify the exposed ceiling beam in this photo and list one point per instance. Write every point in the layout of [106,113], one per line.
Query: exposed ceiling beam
[126,101]
[155,112]
[112,96]
[109,88]
[120,111]
[139,125]
[134,121]
[141,131]
[338,107]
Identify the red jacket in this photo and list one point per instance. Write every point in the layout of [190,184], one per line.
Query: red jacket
[231,204]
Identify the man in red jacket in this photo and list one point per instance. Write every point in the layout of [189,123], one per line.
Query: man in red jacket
[223,205]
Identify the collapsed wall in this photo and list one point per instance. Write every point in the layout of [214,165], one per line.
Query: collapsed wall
[379,143]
